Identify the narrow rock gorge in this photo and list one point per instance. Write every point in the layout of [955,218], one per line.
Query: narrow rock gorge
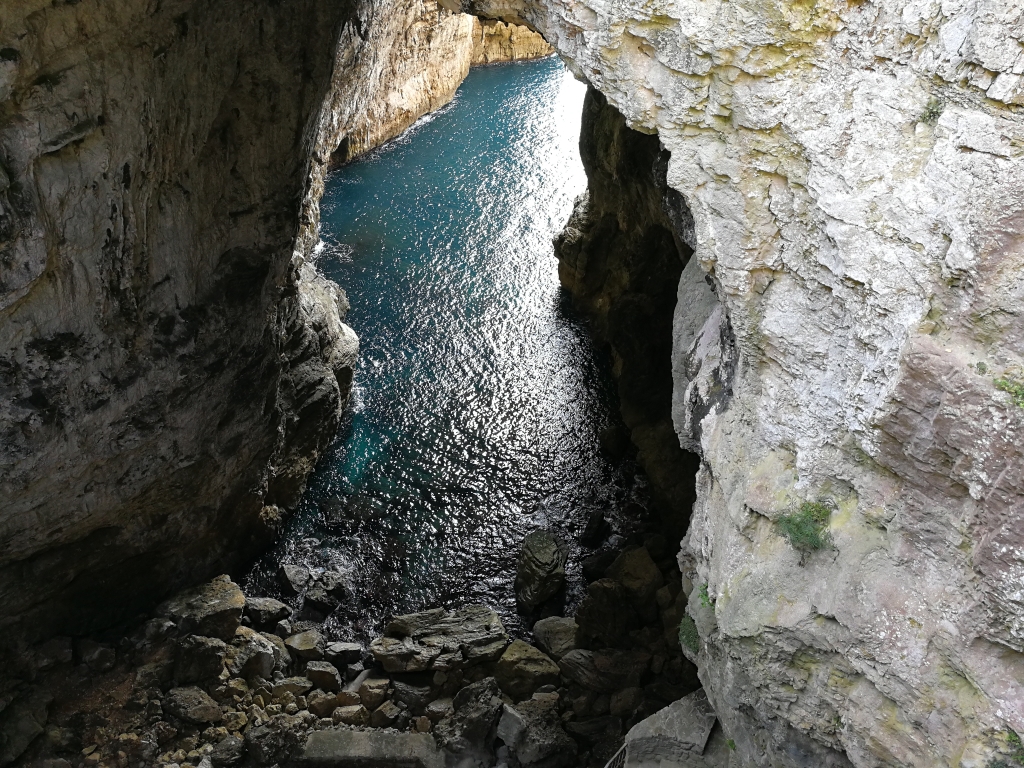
[802,243]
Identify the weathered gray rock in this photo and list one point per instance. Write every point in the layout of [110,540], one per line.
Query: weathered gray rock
[228,751]
[192,704]
[359,749]
[321,703]
[522,669]
[532,732]
[198,659]
[672,734]
[540,574]
[415,693]
[351,714]
[386,715]
[22,722]
[605,671]
[324,675]
[606,615]
[293,578]
[98,656]
[307,645]
[265,612]
[467,734]
[635,570]
[373,691]
[440,640]
[590,732]
[251,654]
[342,654]
[439,709]
[555,635]
[213,609]
[293,685]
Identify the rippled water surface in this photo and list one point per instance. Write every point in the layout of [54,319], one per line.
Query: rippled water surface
[479,396]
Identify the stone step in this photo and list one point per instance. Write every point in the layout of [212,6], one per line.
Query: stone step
[344,748]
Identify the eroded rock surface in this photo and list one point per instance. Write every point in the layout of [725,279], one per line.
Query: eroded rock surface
[854,174]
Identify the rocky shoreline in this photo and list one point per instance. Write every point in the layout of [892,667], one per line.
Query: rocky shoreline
[219,678]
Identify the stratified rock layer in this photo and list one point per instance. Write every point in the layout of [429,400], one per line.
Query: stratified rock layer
[856,178]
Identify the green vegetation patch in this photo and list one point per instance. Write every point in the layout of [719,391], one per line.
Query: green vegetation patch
[807,528]
[1016,756]
[705,598]
[1014,387]
[932,111]
[688,634]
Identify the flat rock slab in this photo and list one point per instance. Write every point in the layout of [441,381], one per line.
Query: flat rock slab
[440,640]
[368,749]
[673,734]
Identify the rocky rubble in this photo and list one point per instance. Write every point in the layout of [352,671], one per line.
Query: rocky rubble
[217,678]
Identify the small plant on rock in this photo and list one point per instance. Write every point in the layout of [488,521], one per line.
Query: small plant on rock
[1012,386]
[1016,754]
[932,111]
[705,598]
[807,528]
[688,636]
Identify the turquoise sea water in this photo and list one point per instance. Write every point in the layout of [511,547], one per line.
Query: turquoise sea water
[479,396]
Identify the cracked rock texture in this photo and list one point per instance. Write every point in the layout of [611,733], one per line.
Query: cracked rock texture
[855,173]
[168,370]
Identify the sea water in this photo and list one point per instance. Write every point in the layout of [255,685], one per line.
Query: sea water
[479,395]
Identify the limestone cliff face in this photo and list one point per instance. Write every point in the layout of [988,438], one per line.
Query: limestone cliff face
[496,41]
[856,180]
[408,59]
[168,371]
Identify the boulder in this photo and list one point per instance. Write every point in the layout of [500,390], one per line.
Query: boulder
[156,674]
[308,645]
[606,615]
[605,671]
[341,654]
[296,686]
[540,574]
[440,640]
[625,702]
[439,709]
[324,675]
[56,650]
[322,704]
[98,656]
[228,751]
[192,704]
[265,612]
[213,609]
[23,721]
[199,658]
[385,715]
[635,570]
[522,669]
[672,734]
[250,655]
[318,603]
[335,747]
[352,714]
[467,734]
[281,656]
[373,691]
[414,693]
[292,578]
[596,565]
[555,635]
[533,735]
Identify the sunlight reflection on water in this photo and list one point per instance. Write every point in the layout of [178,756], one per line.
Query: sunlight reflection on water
[479,396]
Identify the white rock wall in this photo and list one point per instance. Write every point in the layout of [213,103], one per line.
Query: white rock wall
[856,176]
